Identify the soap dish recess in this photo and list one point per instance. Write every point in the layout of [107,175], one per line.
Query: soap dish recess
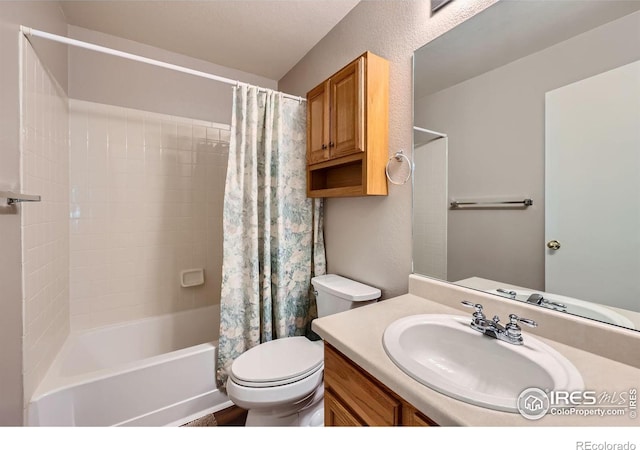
[192,277]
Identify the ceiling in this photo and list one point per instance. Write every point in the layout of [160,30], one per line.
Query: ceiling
[263,37]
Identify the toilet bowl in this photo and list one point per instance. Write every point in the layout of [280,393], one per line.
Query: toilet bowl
[280,382]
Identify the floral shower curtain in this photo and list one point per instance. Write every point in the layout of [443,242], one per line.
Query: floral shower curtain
[273,241]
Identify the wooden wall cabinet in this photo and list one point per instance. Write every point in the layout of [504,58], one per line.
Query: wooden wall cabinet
[348,131]
[352,397]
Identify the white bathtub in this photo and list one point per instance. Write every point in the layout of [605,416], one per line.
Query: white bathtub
[148,372]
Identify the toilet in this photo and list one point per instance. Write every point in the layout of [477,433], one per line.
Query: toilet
[280,382]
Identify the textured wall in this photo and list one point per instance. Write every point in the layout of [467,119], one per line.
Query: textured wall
[146,203]
[46,16]
[369,239]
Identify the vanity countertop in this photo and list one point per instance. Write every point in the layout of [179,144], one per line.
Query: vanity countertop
[358,335]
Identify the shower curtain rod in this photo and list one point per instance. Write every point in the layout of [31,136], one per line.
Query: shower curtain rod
[154,62]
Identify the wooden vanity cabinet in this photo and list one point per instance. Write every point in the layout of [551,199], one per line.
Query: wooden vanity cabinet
[352,397]
[348,130]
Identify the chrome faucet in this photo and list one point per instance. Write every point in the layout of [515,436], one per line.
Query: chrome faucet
[511,332]
[510,293]
[538,299]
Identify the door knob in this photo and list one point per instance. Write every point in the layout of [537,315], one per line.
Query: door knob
[553,245]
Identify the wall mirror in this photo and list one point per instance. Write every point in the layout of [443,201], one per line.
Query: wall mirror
[527,156]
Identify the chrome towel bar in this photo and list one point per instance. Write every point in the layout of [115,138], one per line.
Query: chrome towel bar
[12,197]
[490,203]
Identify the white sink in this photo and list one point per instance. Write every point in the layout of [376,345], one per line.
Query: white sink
[442,352]
[575,306]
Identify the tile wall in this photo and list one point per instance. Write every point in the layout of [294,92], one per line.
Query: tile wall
[146,196]
[45,225]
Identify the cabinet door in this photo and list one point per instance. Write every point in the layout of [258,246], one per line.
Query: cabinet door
[347,110]
[368,400]
[411,417]
[336,414]
[318,124]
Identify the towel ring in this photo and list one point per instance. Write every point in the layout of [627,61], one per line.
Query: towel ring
[399,157]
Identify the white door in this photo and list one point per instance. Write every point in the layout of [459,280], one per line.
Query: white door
[592,188]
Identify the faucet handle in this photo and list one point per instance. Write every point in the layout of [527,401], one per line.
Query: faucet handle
[554,304]
[513,330]
[478,307]
[513,320]
[508,292]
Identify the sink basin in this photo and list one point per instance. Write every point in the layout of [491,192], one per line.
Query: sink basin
[575,306]
[442,352]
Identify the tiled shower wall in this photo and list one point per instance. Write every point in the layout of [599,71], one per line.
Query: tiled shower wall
[146,196]
[45,225]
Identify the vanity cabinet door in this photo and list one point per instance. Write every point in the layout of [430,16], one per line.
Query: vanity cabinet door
[337,415]
[411,417]
[352,397]
[373,404]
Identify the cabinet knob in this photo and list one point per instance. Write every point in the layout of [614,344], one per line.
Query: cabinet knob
[331,144]
[324,146]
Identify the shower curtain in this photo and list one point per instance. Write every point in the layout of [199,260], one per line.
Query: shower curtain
[273,241]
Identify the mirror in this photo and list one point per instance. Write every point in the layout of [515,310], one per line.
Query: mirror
[527,119]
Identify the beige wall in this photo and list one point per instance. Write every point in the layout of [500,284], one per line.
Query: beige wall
[496,148]
[369,239]
[46,16]
[110,80]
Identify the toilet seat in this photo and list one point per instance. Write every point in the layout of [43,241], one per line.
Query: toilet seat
[285,397]
[277,363]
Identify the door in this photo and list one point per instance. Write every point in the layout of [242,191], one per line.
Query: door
[347,110]
[592,188]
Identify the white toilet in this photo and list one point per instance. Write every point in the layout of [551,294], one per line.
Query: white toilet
[280,382]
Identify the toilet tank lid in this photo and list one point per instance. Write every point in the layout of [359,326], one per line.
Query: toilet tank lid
[345,288]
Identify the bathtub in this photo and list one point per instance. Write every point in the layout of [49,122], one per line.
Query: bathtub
[149,372]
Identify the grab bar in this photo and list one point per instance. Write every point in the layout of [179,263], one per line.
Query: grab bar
[13,198]
[458,203]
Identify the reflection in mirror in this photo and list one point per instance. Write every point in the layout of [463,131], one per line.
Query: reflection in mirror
[533,100]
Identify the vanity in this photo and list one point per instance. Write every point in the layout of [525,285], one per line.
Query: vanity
[363,386]
[526,212]
[353,397]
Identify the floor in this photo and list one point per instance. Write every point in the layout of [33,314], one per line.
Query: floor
[233,417]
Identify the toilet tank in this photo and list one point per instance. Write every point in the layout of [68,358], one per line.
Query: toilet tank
[335,294]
